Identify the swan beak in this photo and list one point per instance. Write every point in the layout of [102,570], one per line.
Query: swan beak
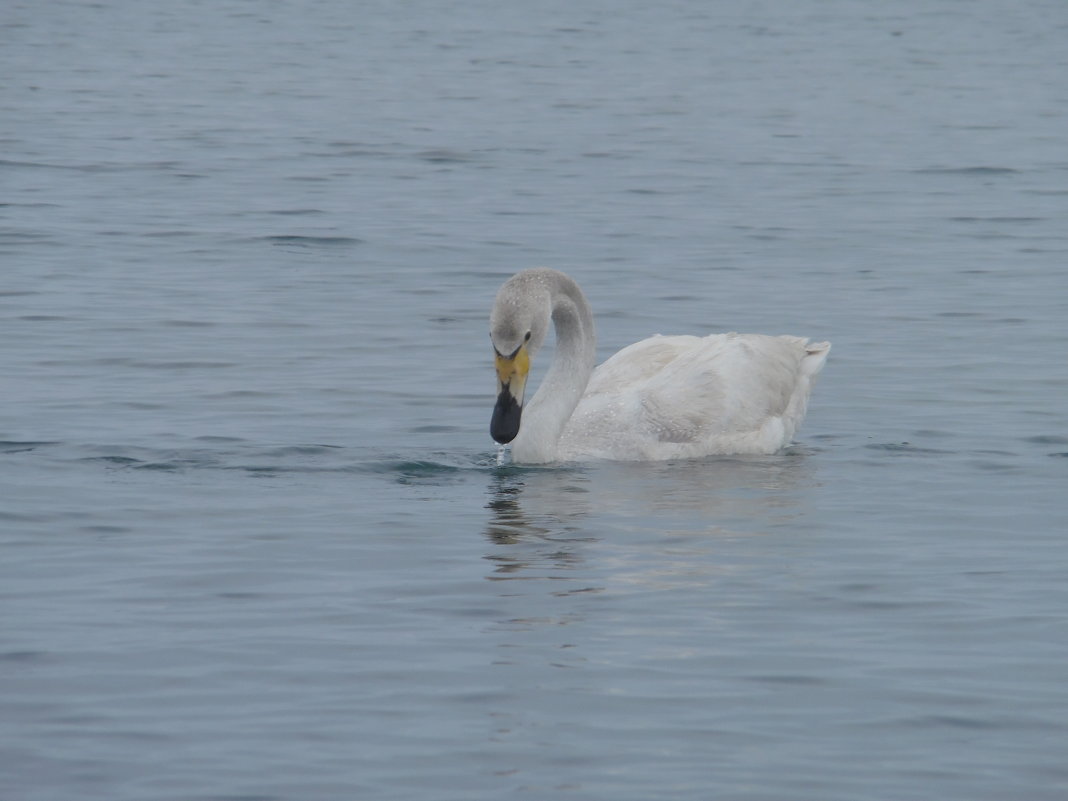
[511,381]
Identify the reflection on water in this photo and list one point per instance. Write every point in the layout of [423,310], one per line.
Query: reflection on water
[664,519]
[748,492]
[524,502]
[538,515]
[744,489]
[629,571]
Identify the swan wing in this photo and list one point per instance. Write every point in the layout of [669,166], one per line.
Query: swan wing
[682,396]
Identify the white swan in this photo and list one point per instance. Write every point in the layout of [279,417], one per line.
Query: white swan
[660,398]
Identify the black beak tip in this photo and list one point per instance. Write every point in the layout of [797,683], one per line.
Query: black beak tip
[506,417]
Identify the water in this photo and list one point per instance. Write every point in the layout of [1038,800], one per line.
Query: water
[256,544]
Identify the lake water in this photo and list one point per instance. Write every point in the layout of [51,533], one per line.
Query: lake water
[255,544]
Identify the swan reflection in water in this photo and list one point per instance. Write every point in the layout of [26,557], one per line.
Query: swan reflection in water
[651,516]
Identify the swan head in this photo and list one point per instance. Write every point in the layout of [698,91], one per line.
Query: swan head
[518,326]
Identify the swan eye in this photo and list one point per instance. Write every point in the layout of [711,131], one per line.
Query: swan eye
[527,337]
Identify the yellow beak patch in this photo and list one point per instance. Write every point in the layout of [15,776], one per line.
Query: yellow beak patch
[512,372]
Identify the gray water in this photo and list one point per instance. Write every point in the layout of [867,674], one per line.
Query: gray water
[255,544]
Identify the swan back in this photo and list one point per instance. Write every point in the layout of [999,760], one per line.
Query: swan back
[687,396]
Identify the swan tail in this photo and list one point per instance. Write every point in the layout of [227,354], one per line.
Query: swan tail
[815,357]
[811,363]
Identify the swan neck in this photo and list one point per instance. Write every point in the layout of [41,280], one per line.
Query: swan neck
[549,411]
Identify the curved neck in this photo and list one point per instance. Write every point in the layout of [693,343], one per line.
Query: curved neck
[561,390]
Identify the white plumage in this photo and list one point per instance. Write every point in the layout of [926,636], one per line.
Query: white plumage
[666,397]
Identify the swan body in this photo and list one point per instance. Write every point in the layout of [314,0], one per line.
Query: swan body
[665,397]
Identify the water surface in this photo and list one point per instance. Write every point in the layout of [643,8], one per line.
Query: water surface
[256,545]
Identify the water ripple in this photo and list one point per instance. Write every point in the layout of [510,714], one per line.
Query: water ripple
[305,241]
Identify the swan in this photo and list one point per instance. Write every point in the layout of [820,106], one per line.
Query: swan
[665,397]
